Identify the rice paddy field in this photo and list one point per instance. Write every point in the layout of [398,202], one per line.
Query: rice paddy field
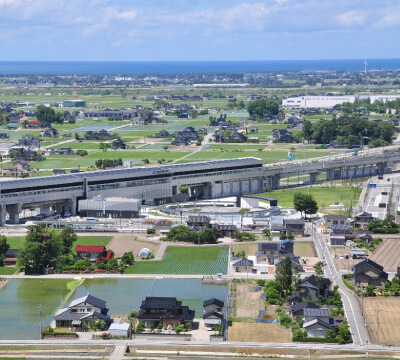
[204,260]
[20,299]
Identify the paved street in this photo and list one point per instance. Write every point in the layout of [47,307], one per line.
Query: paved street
[350,303]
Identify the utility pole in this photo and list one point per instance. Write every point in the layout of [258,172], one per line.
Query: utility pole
[40,315]
[377,325]
[362,301]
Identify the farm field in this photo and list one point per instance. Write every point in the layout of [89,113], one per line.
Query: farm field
[324,196]
[389,319]
[20,300]
[257,332]
[207,260]
[122,244]
[249,249]
[248,302]
[388,255]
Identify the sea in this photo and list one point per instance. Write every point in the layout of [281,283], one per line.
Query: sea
[187,67]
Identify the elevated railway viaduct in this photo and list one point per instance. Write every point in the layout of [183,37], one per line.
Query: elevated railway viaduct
[169,183]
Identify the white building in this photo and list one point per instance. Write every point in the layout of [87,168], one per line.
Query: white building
[316,101]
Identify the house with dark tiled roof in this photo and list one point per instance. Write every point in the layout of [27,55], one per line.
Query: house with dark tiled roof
[313,287]
[361,220]
[317,321]
[167,311]
[83,310]
[242,265]
[297,310]
[198,221]
[212,313]
[368,272]
[10,257]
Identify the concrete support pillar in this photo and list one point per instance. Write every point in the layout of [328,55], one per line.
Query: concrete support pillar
[3,214]
[314,177]
[330,174]
[240,188]
[231,188]
[73,204]
[44,209]
[13,213]
[381,168]
[212,190]
[276,179]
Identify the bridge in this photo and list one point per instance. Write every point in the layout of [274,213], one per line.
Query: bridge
[176,183]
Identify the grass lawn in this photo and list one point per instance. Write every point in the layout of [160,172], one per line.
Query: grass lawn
[324,196]
[304,249]
[8,270]
[186,260]
[249,249]
[18,242]
[92,240]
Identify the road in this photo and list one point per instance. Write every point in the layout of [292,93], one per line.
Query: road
[350,304]
[204,143]
[224,346]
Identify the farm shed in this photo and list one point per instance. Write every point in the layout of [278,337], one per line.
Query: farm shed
[119,329]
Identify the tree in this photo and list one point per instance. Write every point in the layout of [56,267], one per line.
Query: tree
[344,336]
[4,246]
[67,238]
[319,273]
[47,115]
[42,249]
[305,203]
[283,275]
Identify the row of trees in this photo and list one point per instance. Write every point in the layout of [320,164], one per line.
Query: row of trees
[105,163]
[348,131]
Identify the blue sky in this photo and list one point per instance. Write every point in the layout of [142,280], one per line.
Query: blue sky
[198,29]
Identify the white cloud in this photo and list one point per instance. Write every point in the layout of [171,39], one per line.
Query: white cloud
[352,18]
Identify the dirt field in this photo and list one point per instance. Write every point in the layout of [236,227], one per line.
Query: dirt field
[258,333]
[388,254]
[389,319]
[249,249]
[248,302]
[346,264]
[304,249]
[122,244]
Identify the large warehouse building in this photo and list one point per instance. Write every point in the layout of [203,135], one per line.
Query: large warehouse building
[322,101]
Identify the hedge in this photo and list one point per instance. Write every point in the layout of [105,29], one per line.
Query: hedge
[385,230]
[317,339]
[346,283]
[59,334]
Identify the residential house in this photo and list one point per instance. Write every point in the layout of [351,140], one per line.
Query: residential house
[361,220]
[96,253]
[282,136]
[295,299]
[50,133]
[199,222]
[369,272]
[167,311]
[65,150]
[212,313]
[97,135]
[59,171]
[242,265]
[330,220]
[343,230]
[4,136]
[10,257]
[119,144]
[317,322]
[162,133]
[82,311]
[270,253]
[297,310]
[294,226]
[311,286]
[29,141]
[20,168]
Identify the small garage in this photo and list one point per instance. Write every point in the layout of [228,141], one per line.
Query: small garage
[119,329]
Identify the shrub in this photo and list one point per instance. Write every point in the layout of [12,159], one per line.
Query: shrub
[140,327]
[151,231]
[179,329]
[299,335]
